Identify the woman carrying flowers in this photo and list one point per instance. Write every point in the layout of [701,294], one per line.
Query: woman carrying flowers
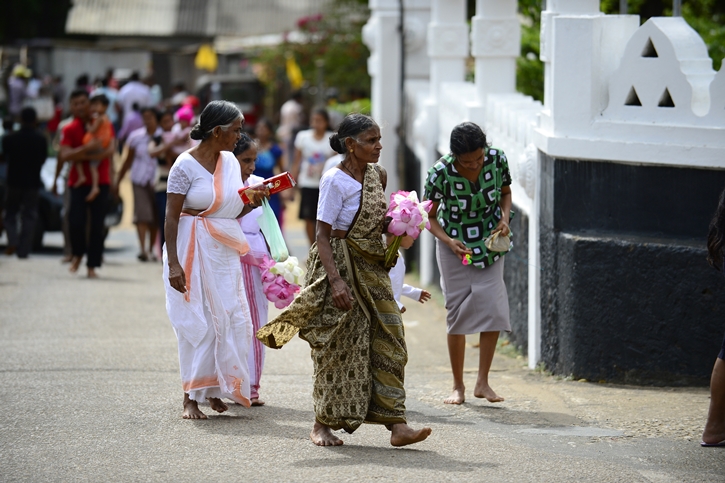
[246,153]
[346,311]
[471,200]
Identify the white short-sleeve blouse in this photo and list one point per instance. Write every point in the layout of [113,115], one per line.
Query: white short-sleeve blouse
[188,177]
[339,200]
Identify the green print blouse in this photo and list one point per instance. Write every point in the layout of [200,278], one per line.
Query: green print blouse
[470,211]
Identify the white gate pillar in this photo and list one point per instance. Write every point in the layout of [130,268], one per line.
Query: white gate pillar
[447,51]
[495,43]
[382,37]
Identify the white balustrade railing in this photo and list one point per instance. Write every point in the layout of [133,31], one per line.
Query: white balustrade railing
[593,63]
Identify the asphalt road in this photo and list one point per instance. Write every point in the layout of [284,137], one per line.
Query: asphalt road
[90,391]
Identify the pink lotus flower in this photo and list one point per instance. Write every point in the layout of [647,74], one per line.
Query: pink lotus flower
[408,217]
[280,292]
[274,286]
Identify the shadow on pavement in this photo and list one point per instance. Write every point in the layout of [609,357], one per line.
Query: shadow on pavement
[258,421]
[503,415]
[398,458]
[432,419]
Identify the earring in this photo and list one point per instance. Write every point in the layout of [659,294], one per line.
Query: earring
[351,150]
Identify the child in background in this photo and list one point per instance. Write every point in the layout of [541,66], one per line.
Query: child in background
[397,275]
[180,140]
[101,130]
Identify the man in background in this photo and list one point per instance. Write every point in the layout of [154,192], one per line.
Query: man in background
[72,150]
[24,151]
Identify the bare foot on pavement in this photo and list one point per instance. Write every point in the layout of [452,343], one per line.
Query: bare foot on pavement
[485,391]
[74,264]
[217,404]
[322,435]
[191,409]
[403,435]
[456,397]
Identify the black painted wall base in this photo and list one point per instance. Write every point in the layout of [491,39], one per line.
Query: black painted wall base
[516,277]
[626,293]
[633,311]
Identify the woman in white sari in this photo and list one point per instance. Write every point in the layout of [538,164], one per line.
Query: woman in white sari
[205,296]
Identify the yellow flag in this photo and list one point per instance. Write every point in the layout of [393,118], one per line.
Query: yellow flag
[206,58]
[294,74]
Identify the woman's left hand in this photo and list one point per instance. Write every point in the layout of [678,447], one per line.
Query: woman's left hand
[257,195]
[503,227]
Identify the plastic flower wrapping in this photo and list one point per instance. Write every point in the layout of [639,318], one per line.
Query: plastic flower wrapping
[409,216]
[280,280]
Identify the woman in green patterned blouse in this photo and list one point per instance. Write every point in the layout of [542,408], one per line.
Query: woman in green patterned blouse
[472,199]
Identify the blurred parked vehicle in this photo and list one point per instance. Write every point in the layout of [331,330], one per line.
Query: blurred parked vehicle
[244,90]
[50,206]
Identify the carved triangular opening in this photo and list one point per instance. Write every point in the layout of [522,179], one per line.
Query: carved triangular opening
[666,99]
[632,98]
[649,49]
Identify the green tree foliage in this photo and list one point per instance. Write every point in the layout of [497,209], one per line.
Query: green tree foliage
[707,17]
[25,19]
[334,47]
[529,69]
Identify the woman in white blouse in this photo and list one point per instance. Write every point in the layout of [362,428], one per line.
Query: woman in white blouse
[204,287]
[312,149]
[346,311]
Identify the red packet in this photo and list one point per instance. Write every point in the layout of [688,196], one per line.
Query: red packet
[275,184]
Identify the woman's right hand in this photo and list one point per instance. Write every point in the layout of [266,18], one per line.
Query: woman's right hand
[177,278]
[341,294]
[458,248]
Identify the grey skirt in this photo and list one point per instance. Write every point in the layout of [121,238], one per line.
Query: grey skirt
[476,298]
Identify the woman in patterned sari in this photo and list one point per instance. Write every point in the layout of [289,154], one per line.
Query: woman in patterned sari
[347,312]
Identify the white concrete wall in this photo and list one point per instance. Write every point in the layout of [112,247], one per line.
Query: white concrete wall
[592,61]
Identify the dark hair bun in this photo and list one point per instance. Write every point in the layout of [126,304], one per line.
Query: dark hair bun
[336,145]
[196,133]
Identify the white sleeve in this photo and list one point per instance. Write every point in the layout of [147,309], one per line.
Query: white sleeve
[329,204]
[397,274]
[412,292]
[300,140]
[332,162]
[179,181]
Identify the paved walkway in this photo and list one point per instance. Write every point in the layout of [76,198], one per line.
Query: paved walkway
[91,392]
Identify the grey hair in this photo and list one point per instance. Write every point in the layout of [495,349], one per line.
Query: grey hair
[216,114]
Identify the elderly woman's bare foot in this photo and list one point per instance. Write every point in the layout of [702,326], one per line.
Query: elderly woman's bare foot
[485,391]
[74,264]
[322,435]
[257,402]
[217,404]
[191,409]
[403,435]
[457,396]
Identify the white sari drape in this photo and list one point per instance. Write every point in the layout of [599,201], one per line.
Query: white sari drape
[212,320]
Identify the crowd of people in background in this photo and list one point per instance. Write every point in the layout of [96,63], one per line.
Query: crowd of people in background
[129,120]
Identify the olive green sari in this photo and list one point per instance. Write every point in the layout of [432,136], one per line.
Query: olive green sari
[359,355]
